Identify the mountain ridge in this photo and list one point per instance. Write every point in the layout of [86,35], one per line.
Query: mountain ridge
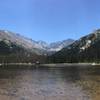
[86,49]
[32,44]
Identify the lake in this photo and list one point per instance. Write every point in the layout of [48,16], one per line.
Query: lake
[67,83]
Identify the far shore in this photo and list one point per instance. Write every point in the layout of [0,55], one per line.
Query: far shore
[71,64]
[52,64]
[22,64]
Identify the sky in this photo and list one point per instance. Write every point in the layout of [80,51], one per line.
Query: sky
[50,20]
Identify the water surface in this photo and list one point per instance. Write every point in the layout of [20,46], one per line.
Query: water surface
[69,83]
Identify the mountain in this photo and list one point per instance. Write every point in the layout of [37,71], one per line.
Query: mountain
[57,46]
[17,48]
[86,49]
[14,48]
[38,47]
[17,39]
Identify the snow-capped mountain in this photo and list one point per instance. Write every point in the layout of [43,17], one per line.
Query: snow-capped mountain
[86,49]
[57,46]
[20,40]
[39,47]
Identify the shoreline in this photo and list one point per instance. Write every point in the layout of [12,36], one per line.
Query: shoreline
[22,64]
[51,64]
[71,64]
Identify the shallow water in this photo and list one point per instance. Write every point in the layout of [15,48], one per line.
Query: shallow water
[69,83]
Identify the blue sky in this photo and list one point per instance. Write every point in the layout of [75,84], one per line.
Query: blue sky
[50,20]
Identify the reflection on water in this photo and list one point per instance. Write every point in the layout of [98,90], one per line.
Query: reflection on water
[71,83]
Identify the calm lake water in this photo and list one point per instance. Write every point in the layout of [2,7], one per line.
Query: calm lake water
[71,83]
